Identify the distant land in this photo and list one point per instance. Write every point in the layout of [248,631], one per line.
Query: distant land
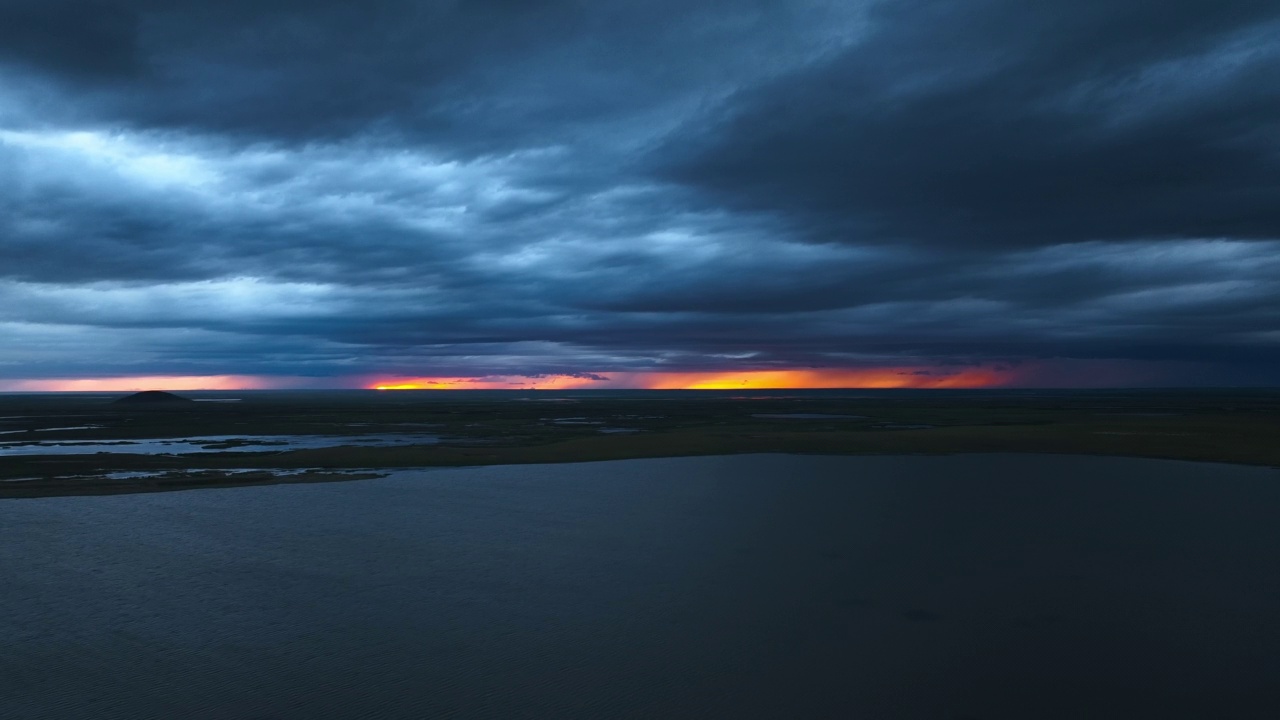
[69,444]
[152,397]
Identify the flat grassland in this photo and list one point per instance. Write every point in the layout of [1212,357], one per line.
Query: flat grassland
[483,428]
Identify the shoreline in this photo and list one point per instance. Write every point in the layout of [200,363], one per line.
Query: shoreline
[229,478]
[271,439]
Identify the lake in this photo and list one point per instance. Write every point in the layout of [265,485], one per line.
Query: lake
[766,586]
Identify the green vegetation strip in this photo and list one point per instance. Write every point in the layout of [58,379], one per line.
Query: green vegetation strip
[1223,426]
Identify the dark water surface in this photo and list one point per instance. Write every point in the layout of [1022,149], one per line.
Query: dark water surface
[753,586]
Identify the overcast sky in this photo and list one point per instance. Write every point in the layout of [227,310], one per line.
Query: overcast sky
[326,192]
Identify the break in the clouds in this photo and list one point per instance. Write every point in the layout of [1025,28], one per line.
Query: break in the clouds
[331,193]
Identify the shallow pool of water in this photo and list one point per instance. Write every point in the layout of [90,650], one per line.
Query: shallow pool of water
[211,443]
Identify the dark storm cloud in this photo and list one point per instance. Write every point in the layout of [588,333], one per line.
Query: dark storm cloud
[473,76]
[488,188]
[83,40]
[996,122]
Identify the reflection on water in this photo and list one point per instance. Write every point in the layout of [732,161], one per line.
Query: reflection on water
[126,476]
[212,443]
[51,429]
[743,587]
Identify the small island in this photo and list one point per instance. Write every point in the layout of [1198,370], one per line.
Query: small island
[153,398]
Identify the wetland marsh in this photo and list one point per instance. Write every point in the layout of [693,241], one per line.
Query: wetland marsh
[70,444]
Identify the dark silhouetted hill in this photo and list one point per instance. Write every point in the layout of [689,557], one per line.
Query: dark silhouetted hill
[151,398]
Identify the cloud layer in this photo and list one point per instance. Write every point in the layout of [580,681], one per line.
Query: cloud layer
[455,189]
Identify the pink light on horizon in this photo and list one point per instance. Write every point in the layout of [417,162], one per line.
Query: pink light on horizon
[139,383]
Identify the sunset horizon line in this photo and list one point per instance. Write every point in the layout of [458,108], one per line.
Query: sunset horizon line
[1045,375]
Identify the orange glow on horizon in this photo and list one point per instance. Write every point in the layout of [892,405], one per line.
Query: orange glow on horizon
[910,377]
[877,378]
[492,382]
[1061,373]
